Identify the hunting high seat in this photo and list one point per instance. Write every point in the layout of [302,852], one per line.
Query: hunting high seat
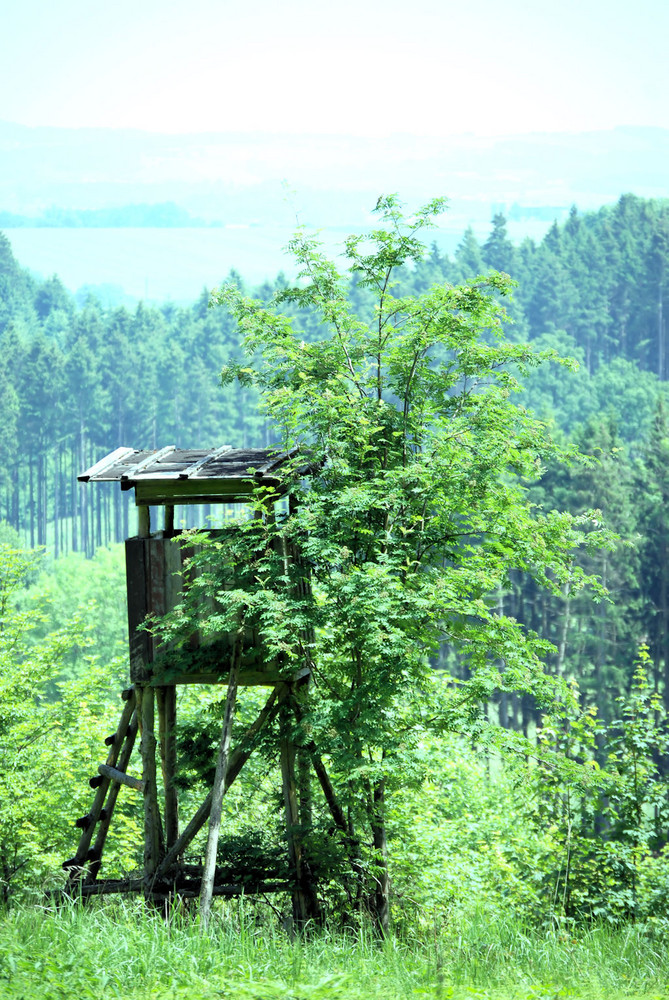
[154,570]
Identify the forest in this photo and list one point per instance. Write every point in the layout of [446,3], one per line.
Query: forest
[522,764]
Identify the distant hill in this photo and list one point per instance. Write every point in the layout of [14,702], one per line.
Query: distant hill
[161,216]
[239,177]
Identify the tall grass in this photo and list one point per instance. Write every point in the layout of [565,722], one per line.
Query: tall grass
[120,950]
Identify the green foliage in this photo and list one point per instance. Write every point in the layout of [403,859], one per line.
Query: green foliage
[464,840]
[607,861]
[413,515]
[50,735]
[93,589]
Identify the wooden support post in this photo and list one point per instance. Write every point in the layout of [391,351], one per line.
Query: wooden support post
[166,698]
[152,824]
[218,791]
[169,520]
[143,521]
[287,747]
[237,760]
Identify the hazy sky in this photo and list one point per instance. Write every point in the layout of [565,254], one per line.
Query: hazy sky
[367,67]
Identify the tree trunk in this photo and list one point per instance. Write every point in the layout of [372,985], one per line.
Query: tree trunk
[209,872]
[31,503]
[382,886]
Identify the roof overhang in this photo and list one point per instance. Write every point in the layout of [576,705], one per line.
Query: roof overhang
[174,475]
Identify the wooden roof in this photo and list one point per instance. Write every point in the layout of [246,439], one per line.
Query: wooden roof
[181,475]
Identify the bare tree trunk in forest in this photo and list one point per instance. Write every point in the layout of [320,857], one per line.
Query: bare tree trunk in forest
[31,503]
[76,500]
[56,502]
[83,494]
[107,516]
[526,713]
[663,636]
[98,527]
[503,705]
[45,496]
[92,507]
[15,497]
[564,630]
[40,478]
[118,519]
[660,333]
[42,508]
[599,655]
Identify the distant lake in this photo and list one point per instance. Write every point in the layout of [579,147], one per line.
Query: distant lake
[155,264]
[176,264]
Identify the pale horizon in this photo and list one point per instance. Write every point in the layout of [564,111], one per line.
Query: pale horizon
[362,69]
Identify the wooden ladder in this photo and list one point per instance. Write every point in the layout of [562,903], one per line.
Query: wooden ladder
[85,865]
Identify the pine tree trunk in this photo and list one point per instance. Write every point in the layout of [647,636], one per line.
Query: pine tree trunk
[75,502]
[56,502]
[31,502]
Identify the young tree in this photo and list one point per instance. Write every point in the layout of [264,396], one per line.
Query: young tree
[413,514]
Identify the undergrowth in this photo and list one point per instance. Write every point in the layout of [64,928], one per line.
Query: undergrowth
[120,950]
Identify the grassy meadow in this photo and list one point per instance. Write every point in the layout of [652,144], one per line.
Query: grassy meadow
[120,950]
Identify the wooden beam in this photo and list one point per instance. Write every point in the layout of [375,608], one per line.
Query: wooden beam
[143,522]
[187,491]
[166,698]
[121,777]
[218,791]
[238,758]
[152,823]
[110,886]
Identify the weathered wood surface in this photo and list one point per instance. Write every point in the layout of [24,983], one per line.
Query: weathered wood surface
[174,475]
[166,700]
[143,522]
[152,822]
[187,889]
[218,791]
[154,581]
[112,795]
[154,576]
[78,861]
[114,774]
[188,491]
